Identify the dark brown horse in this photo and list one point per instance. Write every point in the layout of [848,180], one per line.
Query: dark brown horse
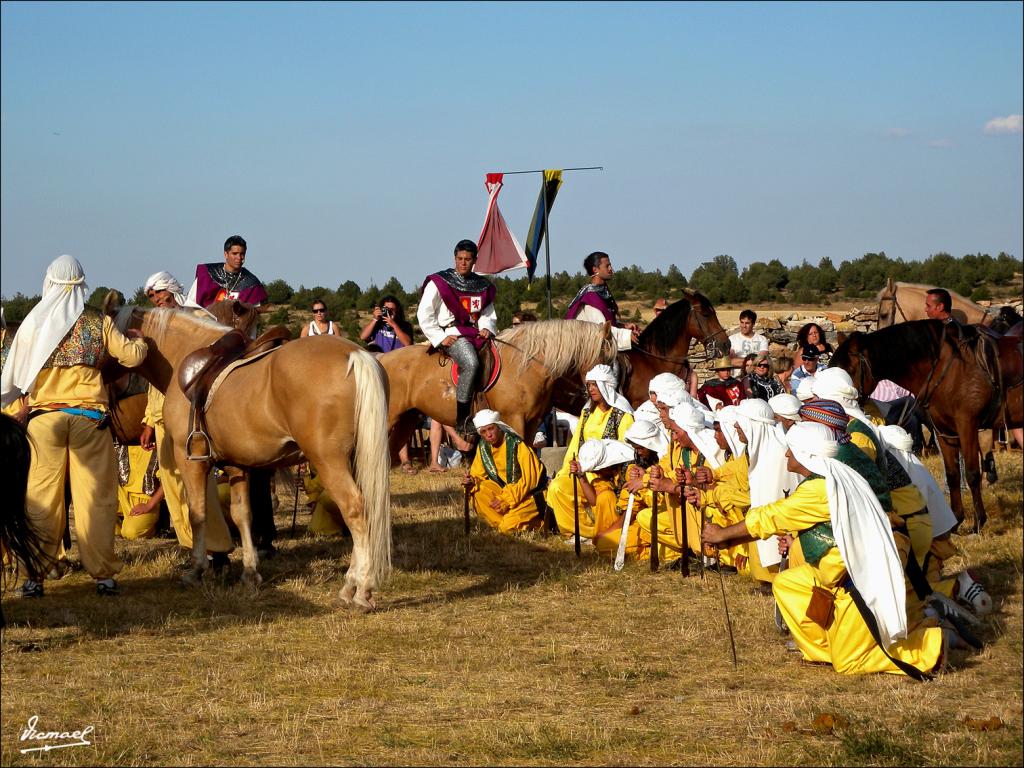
[663,347]
[954,373]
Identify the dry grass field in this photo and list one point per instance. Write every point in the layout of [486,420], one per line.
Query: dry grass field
[485,650]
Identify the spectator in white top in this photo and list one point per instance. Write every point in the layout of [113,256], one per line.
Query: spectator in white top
[747,342]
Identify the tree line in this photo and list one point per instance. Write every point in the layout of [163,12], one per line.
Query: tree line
[720,279]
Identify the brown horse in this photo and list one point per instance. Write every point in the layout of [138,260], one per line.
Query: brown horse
[267,414]
[534,356]
[948,368]
[664,345]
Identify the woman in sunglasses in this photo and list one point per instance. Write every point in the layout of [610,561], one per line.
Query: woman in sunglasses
[761,382]
[320,325]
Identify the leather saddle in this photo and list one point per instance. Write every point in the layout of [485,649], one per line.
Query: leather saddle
[199,369]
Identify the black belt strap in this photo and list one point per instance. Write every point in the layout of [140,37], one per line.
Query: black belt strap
[869,619]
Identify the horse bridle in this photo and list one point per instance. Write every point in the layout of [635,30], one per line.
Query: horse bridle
[706,337]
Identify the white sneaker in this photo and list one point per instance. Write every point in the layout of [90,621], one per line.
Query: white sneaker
[973,593]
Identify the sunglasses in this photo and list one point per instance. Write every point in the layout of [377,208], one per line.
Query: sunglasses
[319,310]
[761,365]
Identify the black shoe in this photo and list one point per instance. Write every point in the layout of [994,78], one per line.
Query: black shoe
[107,588]
[29,589]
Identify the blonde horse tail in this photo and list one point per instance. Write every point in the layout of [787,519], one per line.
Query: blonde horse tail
[372,460]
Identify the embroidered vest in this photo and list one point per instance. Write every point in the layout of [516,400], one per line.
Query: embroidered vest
[82,345]
[512,470]
[817,540]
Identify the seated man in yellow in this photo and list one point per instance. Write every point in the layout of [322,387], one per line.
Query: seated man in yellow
[649,444]
[327,519]
[846,604]
[836,384]
[138,492]
[606,417]
[504,476]
[598,465]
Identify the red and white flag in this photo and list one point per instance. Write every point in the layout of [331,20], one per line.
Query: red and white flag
[497,248]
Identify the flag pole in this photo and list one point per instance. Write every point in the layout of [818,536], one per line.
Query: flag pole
[547,242]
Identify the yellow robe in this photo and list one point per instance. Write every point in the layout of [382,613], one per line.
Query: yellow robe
[522,511]
[847,643]
[602,516]
[559,493]
[327,519]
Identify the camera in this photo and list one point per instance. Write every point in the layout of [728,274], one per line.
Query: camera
[385,312]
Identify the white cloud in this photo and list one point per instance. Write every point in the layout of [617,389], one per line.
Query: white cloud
[1008,124]
[897,133]
[941,143]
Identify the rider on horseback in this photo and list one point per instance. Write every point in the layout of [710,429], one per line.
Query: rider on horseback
[594,302]
[456,312]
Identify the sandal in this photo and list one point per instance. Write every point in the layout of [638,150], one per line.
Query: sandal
[437,470]
[408,468]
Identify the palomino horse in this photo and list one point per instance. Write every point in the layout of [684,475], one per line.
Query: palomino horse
[951,377]
[901,302]
[534,356]
[319,398]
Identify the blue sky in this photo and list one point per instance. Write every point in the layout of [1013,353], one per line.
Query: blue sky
[351,141]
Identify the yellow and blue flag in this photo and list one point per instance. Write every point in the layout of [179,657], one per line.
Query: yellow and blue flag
[538,227]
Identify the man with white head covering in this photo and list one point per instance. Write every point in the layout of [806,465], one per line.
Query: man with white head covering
[846,604]
[595,468]
[606,416]
[786,409]
[836,384]
[53,367]
[504,476]
[805,390]
[167,293]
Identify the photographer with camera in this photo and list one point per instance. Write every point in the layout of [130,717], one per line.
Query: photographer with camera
[388,329]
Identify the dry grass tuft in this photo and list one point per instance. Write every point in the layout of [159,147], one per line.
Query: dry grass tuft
[487,650]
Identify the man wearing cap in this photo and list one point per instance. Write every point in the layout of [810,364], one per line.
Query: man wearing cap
[166,293]
[807,370]
[598,463]
[725,389]
[53,370]
[504,476]
[607,415]
[594,302]
[456,313]
[848,547]
[224,282]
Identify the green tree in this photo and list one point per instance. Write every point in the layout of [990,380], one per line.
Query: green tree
[719,280]
[96,297]
[279,292]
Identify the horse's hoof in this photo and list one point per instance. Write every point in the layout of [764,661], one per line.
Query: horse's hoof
[251,578]
[193,578]
[347,594]
[365,602]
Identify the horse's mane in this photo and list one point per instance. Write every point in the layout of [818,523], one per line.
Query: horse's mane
[562,345]
[162,319]
[663,332]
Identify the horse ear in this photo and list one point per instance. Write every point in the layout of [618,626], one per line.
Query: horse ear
[607,329]
[112,302]
[237,308]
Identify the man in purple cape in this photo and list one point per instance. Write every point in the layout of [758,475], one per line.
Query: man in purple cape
[594,302]
[227,281]
[456,311]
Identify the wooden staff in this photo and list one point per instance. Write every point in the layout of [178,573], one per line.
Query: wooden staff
[576,509]
[684,565]
[465,508]
[295,507]
[654,532]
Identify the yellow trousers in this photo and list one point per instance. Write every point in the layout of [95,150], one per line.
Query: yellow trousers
[67,445]
[847,644]
[218,538]
[327,519]
[559,498]
[129,495]
[607,542]
[522,517]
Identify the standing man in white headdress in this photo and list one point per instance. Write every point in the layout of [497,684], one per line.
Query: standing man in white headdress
[607,415]
[53,368]
[167,293]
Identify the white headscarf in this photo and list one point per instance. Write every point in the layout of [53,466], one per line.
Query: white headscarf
[726,416]
[164,281]
[691,420]
[805,389]
[63,301]
[603,376]
[485,417]
[860,527]
[648,434]
[787,406]
[598,454]
[663,381]
[770,480]
[901,446]
[836,384]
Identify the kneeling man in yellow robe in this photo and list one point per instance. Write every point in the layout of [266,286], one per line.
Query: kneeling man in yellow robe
[504,476]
